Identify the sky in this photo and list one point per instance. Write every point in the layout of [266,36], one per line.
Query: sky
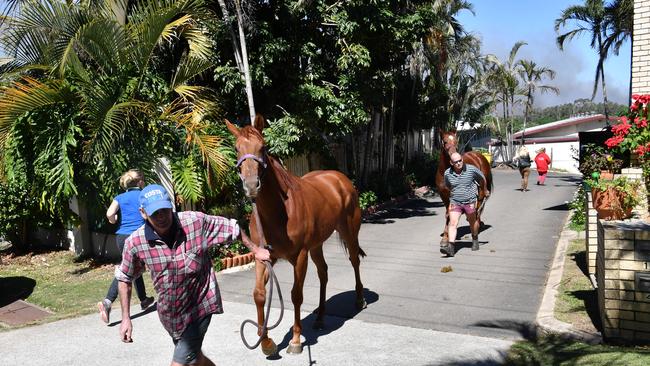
[501,23]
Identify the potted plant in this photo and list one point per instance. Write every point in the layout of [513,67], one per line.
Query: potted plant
[614,199]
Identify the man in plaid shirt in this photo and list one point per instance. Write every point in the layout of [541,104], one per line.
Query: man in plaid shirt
[174,246]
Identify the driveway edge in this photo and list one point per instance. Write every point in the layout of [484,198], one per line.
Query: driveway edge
[545,315]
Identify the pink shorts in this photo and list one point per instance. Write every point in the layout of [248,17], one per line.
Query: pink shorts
[468,208]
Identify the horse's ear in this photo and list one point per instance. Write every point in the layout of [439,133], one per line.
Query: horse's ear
[259,122]
[232,128]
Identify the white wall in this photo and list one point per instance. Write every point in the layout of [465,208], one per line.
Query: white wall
[559,152]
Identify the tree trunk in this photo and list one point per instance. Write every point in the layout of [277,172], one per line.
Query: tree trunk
[244,54]
[602,75]
[233,36]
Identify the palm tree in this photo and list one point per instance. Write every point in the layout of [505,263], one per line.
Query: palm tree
[445,40]
[619,24]
[504,78]
[532,75]
[589,18]
[93,84]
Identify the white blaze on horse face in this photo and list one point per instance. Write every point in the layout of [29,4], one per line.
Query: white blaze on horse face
[250,170]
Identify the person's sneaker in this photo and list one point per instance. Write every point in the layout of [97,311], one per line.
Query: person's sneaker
[447,249]
[104,307]
[144,304]
[475,245]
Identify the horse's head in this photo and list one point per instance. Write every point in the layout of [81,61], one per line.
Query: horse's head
[251,155]
[449,141]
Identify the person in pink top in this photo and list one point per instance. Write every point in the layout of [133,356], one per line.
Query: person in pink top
[542,161]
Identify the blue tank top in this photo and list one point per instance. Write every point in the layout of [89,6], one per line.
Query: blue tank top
[130,218]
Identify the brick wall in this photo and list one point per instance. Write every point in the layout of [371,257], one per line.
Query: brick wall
[624,309]
[641,48]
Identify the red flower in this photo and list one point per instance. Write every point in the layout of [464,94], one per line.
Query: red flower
[641,150]
[622,128]
[614,141]
[640,122]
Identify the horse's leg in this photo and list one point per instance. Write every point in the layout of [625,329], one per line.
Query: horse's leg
[299,272]
[349,233]
[319,260]
[259,295]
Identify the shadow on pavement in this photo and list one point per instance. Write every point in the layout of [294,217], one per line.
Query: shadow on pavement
[339,309]
[150,309]
[15,288]
[562,207]
[411,208]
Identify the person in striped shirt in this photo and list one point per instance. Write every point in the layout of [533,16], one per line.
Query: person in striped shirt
[175,249]
[463,181]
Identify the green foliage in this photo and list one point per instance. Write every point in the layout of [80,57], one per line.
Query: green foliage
[367,199]
[423,168]
[20,212]
[577,206]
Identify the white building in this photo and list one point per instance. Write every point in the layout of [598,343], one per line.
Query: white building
[560,139]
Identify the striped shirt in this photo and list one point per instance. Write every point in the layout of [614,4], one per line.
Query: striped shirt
[182,274]
[464,185]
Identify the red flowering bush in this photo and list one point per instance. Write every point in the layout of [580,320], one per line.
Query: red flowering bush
[632,133]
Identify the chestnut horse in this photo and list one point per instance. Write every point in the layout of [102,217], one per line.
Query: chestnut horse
[450,146]
[297,215]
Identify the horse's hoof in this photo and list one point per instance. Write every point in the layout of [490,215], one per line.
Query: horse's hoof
[269,347]
[318,325]
[294,348]
[361,304]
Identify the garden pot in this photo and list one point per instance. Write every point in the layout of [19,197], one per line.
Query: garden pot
[606,175]
[608,204]
[226,262]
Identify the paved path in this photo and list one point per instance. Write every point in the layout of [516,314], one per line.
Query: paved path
[416,314]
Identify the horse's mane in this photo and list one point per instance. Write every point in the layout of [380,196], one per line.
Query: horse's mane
[287,179]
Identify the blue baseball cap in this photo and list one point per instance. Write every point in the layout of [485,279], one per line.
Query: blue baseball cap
[154,197]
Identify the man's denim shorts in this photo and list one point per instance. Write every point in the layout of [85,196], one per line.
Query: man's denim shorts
[188,346]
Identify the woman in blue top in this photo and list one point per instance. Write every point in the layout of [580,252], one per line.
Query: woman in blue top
[128,205]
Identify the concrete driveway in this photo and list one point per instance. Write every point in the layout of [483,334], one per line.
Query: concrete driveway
[416,314]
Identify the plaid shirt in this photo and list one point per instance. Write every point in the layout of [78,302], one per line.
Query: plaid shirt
[182,275]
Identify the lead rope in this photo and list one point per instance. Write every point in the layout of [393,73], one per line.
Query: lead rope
[269,268]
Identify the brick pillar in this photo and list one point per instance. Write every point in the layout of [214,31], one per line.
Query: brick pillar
[641,48]
[623,303]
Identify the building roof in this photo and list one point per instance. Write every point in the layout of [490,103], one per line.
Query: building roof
[530,132]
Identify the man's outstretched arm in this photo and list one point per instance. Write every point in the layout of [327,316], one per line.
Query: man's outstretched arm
[126,328]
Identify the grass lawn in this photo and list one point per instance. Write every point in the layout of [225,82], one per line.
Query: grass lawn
[576,304]
[55,281]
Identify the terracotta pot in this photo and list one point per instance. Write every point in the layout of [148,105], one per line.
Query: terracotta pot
[606,175]
[609,204]
[226,263]
[248,257]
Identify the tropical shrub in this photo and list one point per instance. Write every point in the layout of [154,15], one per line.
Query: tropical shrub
[19,213]
[114,87]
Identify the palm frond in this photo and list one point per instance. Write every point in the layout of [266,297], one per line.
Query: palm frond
[108,125]
[24,96]
[188,179]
